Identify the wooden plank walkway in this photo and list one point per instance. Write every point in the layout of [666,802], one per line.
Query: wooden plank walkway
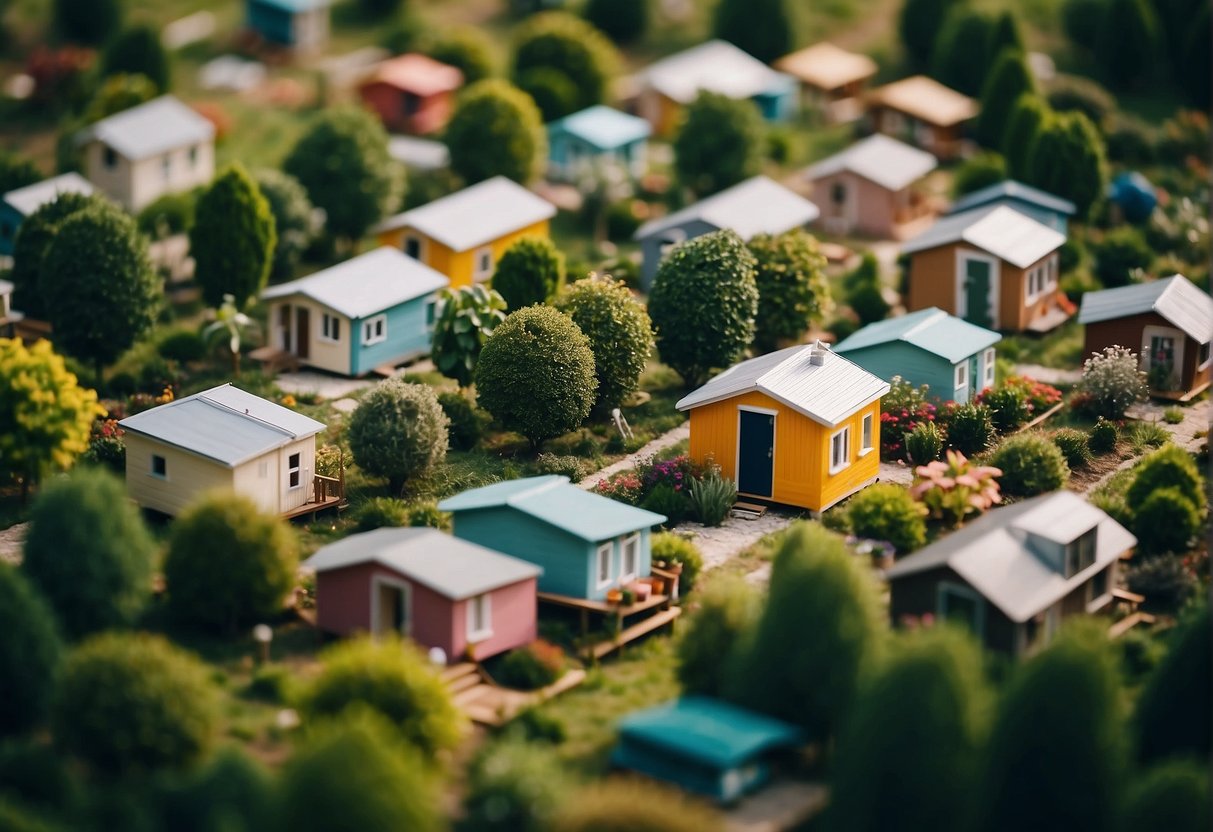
[641,628]
[1128,623]
[488,704]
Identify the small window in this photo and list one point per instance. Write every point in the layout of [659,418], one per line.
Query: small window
[866,444]
[838,193]
[988,368]
[110,158]
[602,566]
[293,472]
[1080,553]
[1097,589]
[962,374]
[480,618]
[166,165]
[412,247]
[330,327]
[431,313]
[482,268]
[963,605]
[374,330]
[630,552]
[194,156]
[159,467]
[840,450]
[1202,355]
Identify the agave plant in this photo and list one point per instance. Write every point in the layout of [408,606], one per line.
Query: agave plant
[954,488]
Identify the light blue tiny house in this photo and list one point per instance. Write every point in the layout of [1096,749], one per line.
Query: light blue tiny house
[373,310]
[587,544]
[953,357]
[1043,207]
[19,203]
[597,135]
[299,24]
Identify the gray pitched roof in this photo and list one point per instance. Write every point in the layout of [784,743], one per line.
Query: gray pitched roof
[1175,298]
[452,567]
[759,205]
[887,162]
[994,553]
[931,329]
[160,125]
[225,424]
[366,284]
[1011,189]
[998,229]
[29,199]
[826,393]
[716,66]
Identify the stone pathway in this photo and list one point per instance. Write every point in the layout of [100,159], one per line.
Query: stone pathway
[1196,420]
[719,544]
[662,442]
[11,540]
[1049,375]
[320,385]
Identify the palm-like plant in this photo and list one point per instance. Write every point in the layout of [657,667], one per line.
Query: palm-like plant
[233,323]
[468,317]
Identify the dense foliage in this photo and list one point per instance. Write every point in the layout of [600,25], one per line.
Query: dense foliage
[793,291]
[676,550]
[466,423]
[961,58]
[1172,717]
[719,144]
[89,22]
[137,50]
[513,786]
[295,220]
[233,238]
[1030,465]
[570,46]
[1067,158]
[1127,42]
[954,488]
[1111,382]
[398,431]
[919,24]
[708,650]
[496,130]
[531,271]
[623,21]
[1025,118]
[979,172]
[467,49]
[763,28]
[970,428]
[1010,78]
[619,331]
[886,511]
[30,653]
[33,240]
[468,317]
[1121,256]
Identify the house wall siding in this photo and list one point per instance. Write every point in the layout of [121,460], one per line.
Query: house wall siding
[1129,331]
[137,184]
[566,560]
[388,102]
[333,356]
[513,610]
[459,266]
[944,142]
[873,209]
[188,475]
[407,337]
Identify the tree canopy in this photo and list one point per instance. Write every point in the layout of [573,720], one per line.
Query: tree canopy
[961,57]
[623,21]
[919,24]
[496,130]
[137,50]
[233,238]
[89,22]
[562,43]
[531,271]
[708,650]
[1024,122]
[1067,158]
[398,431]
[467,49]
[762,28]
[720,143]
[295,220]
[1127,43]
[33,240]
[793,291]
[1172,716]
[30,653]
[1010,78]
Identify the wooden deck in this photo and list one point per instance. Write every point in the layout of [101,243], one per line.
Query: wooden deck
[314,507]
[1180,396]
[657,612]
[641,628]
[486,703]
[1128,623]
[327,492]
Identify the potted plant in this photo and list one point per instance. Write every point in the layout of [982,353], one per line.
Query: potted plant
[614,596]
[629,597]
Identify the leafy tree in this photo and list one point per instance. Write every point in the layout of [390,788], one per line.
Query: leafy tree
[1006,35]
[572,47]
[88,552]
[233,238]
[98,286]
[30,652]
[623,21]
[467,49]
[1009,79]
[536,374]
[119,92]
[496,130]
[133,701]
[864,293]
[17,171]
[90,22]
[344,164]
[978,172]
[1174,796]
[531,271]
[1121,256]
[393,679]
[719,144]
[961,58]
[1024,122]
[469,316]
[1172,715]
[793,291]
[33,240]
[1067,159]
[817,586]
[1195,72]
[551,90]
[379,9]
[703,304]
[398,431]
[619,331]
[908,756]
[633,806]
[1081,19]
[1075,92]
[708,650]
[886,511]
[1030,465]
[232,792]
[295,220]
[138,51]
[1166,521]
[513,786]
[761,27]
[919,25]
[467,422]
[1127,42]
[229,563]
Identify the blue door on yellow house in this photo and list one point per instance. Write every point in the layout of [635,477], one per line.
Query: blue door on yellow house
[755,453]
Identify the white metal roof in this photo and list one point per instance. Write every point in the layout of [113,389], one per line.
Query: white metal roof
[826,393]
[225,424]
[476,215]
[29,199]
[759,205]
[157,126]
[366,284]
[878,158]
[716,66]
[999,230]
[418,153]
[1175,298]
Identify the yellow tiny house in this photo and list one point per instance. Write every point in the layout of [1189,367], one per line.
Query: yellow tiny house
[799,427]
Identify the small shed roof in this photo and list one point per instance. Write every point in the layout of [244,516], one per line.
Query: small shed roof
[926,100]
[759,205]
[225,424]
[999,230]
[1010,189]
[416,73]
[476,215]
[951,338]
[878,158]
[366,284]
[1175,298]
[155,127]
[454,568]
[708,731]
[418,153]
[827,66]
[827,393]
[994,552]
[555,501]
[603,127]
[716,66]
[29,199]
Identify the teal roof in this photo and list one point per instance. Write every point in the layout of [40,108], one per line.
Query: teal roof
[708,731]
[604,127]
[553,500]
[1010,189]
[933,330]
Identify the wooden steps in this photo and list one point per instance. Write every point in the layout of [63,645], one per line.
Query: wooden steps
[747,511]
[1128,623]
[456,671]
[641,628]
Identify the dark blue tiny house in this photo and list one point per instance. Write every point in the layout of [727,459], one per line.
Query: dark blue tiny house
[300,24]
[1043,207]
[594,136]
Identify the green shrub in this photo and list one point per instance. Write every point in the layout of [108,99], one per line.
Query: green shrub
[1140,653]
[1173,415]
[89,22]
[665,500]
[378,512]
[1030,465]
[793,291]
[1111,382]
[168,215]
[868,303]
[728,609]
[183,346]
[635,806]
[551,90]
[533,666]
[496,130]
[953,489]
[924,443]
[886,511]
[1122,256]
[513,786]
[1008,407]
[1142,435]
[673,549]
[569,466]
[1104,435]
[1073,93]
[531,271]
[1172,713]
[980,171]
[1172,796]
[970,429]
[719,144]
[466,421]
[398,431]
[571,47]
[427,514]
[1168,467]
[271,683]
[537,725]
[1074,446]
[712,497]
[1166,521]
[466,48]
[30,654]
[1165,581]
[295,219]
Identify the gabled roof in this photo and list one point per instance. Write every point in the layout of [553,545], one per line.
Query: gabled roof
[366,284]
[476,215]
[827,393]
[225,424]
[826,66]
[29,199]
[1175,298]
[553,500]
[708,731]
[927,100]
[716,66]
[416,73]
[1010,189]
[453,568]
[155,127]
[887,162]
[952,339]
[603,127]
[758,205]
[994,552]
[999,230]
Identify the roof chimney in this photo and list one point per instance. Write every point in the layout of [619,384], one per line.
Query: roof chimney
[818,353]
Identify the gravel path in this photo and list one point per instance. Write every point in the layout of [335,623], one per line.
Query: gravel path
[1049,375]
[11,540]
[662,442]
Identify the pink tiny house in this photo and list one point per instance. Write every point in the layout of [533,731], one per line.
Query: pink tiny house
[438,590]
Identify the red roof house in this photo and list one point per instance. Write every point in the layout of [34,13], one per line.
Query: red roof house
[412,93]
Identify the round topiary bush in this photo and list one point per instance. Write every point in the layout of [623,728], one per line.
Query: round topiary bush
[378,512]
[886,511]
[532,666]
[571,47]
[466,423]
[496,130]
[30,653]
[1104,435]
[531,271]
[183,346]
[970,429]
[673,549]
[1166,521]
[514,786]
[1073,446]
[635,806]
[1030,465]
[1168,467]
[398,431]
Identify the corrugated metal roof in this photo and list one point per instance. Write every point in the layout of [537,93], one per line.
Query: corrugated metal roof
[827,66]
[887,162]
[29,199]
[998,229]
[827,393]
[160,125]
[759,205]
[708,730]
[225,424]
[553,500]
[927,100]
[366,284]
[993,552]
[452,567]
[1175,298]
[931,329]
[1010,189]
[476,215]
[716,66]
[604,127]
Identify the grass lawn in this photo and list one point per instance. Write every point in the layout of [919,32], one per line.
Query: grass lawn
[1061,348]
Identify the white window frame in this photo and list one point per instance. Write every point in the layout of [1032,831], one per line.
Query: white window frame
[193,156]
[370,335]
[433,308]
[628,543]
[988,365]
[960,377]
[294,469]
[866,438]
[109,157]
[485,603]
[845,433]
[330,328]
[604,549]
[480,274]
[166,166]
[152,467]
[946,588]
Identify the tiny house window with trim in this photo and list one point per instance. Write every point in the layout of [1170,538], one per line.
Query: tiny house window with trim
[840,450]
[294,470]
[480,618]
[374,330]
[330,327]
[159,467]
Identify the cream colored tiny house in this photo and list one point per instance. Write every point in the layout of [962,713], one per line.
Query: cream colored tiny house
[221,438]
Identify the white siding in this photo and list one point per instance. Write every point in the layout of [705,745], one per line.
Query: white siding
[187,477]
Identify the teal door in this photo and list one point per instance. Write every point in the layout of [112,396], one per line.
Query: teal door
[756,453]
[976,301]
[975,382]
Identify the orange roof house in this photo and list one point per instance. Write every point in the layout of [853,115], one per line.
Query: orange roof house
[411,93]
[922,111]
[831,79]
